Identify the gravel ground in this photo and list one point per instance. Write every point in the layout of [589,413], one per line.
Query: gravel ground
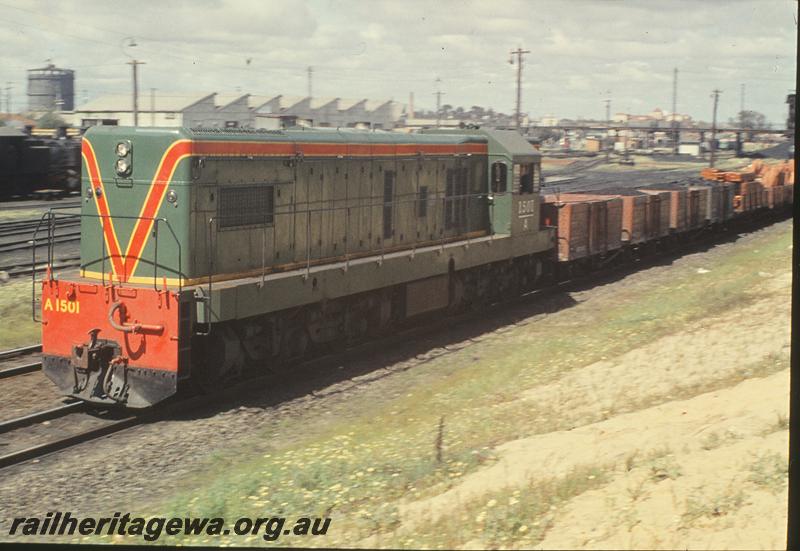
[142,465]
[28,393]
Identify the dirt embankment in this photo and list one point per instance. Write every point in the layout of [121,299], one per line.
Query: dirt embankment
[704,472]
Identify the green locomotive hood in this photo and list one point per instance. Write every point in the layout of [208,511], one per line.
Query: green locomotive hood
[134,180]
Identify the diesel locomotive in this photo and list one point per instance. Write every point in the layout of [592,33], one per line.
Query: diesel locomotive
[206,252]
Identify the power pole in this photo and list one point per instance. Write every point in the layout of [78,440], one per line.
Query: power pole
[152,106]
[741,107]
[608,130]
[675,133]
[310,71]
[438,102]
[8,97]
[135,64]
[519,52]
[627,131]
[716,94]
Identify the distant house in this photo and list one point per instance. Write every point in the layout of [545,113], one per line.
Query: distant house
[165,110]
[690,148]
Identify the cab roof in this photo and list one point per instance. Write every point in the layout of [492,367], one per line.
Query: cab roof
[298,134]
[508,143]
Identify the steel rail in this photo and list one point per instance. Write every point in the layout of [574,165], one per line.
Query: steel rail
[39,450]
[5,205]
[22,244]
[39,416]
[20,351]
[20,370]
[27,270]
[17,225]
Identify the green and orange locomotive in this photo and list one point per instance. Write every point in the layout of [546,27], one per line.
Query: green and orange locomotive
[205,253]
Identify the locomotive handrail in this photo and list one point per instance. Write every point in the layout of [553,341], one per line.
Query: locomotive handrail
[199,294]
[48,222]
[34,310]
[129,327]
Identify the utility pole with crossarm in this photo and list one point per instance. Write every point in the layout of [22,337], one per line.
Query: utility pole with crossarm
[519,52]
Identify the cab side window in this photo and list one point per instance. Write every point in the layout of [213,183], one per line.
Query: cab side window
[526,178]
[499,177]
[530,177]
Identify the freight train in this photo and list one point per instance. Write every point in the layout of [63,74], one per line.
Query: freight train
[206,253]
[30,164]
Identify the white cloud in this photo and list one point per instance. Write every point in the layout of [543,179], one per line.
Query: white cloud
[380,49]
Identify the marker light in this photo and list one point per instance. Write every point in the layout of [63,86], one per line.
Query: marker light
[123,167]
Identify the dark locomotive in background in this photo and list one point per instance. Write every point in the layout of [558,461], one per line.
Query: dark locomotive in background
[30,164]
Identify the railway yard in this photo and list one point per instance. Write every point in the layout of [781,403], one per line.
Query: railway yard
[460,432]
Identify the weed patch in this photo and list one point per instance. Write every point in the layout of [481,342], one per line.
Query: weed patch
[769,471]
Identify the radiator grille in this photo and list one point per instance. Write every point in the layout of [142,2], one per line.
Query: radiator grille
[248,205]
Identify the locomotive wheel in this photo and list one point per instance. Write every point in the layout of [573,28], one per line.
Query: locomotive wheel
[295,344]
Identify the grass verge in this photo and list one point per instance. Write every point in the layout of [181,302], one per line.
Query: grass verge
[19,329]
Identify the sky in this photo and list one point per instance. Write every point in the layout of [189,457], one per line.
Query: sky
[581,52]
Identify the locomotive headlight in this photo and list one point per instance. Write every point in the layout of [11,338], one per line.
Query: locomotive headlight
[89,192]
[172,197]
[123,148]
[123,167]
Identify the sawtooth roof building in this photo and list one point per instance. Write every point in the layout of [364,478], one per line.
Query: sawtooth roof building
[214,110]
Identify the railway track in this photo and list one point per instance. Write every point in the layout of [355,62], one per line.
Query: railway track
[24,227]
[312,373]
[92,425]
[32,205]
[22,353]
[41,416]
[25,268]
[30,431]
[16,244]
[18,235]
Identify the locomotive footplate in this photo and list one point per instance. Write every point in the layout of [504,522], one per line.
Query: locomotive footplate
[98,373]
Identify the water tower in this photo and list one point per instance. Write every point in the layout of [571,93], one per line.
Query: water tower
[51,89]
